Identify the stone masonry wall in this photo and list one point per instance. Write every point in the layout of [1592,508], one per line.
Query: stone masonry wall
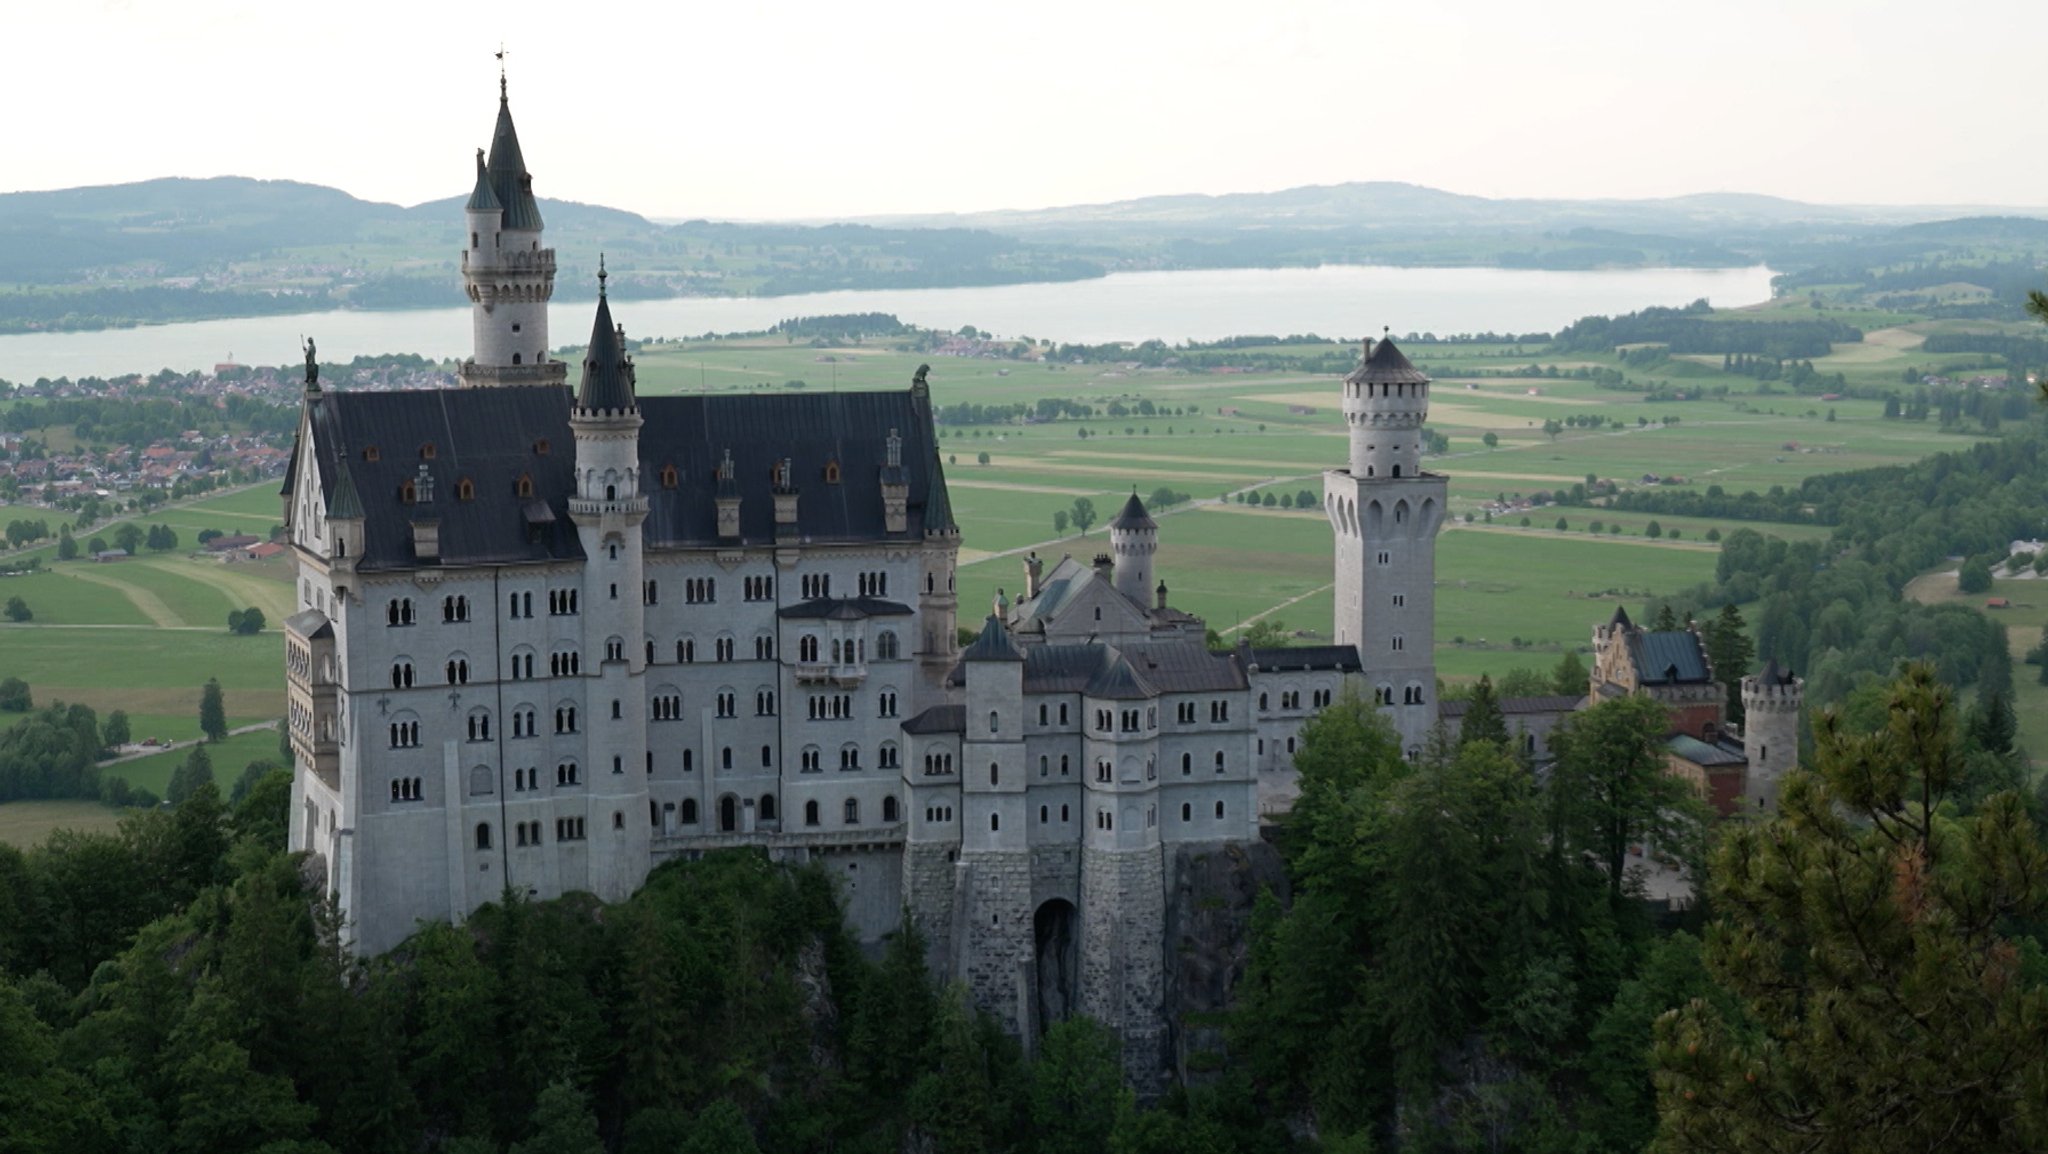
[995,944]
[1123,956]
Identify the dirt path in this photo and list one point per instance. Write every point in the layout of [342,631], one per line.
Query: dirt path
[167,747]
[145,602]
[1265,613]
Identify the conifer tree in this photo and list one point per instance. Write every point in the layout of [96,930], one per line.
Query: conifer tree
[1570,676]
[1732,653]
[1864,932]
[213,714]
[1483,718]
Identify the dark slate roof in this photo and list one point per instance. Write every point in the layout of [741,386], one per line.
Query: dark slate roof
[510,181]
[843,609]
[1707,755]
[1292,658]
[693,432]
[1775,674]
[1385,365]
[486,436]
[1516,706]
[994,644]
[1060,668]
[483,198]
[1133,515]
[1669,658]
[1117,681]
[607,370]
[346,504]
[938,719]
[1621,618]
[1186,667]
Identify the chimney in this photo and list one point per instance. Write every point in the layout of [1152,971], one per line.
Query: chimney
[785,499]
[1162,595]
[1034,572]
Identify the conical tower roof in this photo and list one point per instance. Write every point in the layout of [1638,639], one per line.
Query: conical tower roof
[1386,365]
[510,181]
[483,198]
[607,371]
[1133,516]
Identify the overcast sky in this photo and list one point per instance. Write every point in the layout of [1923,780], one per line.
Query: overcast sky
[766,109]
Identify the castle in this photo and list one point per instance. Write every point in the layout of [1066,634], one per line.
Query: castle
[546,639]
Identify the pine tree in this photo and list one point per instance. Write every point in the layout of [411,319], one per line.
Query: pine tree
[213,713]
[1882,1007]
[1732,653]
[1483,718]
[1570,677]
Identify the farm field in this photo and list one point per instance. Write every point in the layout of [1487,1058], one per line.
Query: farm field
[27,823]
[2025,615]
[229,757]
[144,634]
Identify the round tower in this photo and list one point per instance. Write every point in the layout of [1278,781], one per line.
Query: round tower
[1133,539]
[1771,704]
[510,277]
[1386,399]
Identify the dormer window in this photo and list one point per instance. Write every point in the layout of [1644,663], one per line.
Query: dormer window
[408,493]
[465,490]
[525,485]
[540,447]
[427,451]
[370,453]
[669,478]
[832,472]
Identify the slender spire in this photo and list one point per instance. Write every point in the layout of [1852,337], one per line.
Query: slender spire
[607,370]
[601,276]
[500,54]
[510,180]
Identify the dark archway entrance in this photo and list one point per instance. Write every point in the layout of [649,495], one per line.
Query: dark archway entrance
[1058,954]
[728,814]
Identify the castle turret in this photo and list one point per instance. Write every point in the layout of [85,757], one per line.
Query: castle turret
[1771,704]
[1133,539]
[995,850]
[608,510]
[509,275]
[1385,513]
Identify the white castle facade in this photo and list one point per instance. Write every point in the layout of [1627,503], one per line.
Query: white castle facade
[547,639]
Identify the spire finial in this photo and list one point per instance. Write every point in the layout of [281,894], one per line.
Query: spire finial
[500,54]
[601,275]
[1386,331]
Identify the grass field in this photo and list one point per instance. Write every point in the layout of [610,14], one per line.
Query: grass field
[144,634]
[230,757]
[26,823]
[2024,617]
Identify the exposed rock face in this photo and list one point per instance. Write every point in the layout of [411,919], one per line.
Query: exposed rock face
[1209,897]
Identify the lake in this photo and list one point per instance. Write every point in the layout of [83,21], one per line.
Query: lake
[1333,300]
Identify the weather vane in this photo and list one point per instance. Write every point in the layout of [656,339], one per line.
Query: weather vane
[500,54]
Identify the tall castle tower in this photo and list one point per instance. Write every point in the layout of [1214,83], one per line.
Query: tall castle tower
[608,509]
[1133,539]
[509,275]
[1771,702]
[1385,511]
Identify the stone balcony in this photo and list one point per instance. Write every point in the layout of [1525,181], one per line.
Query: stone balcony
[831,673]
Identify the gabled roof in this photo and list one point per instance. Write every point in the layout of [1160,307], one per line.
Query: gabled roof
[1669,658]
[1385,365]
[510,182]
[994,644]
[1133,516]
[1621,618]
[607,371]
[489,437]
[1117,681]
[694,432]
[1706,755]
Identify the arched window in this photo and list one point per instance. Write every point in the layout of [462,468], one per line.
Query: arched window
[852,808]
[995,774]
[1187,812]
[524,485]
[810,813]
[465,490]
[669,478]
[483,835]
[887,648]
[995,822]
[890,811]
[689,811]
[728,814]
[767,807]
[481,782]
